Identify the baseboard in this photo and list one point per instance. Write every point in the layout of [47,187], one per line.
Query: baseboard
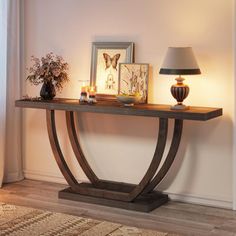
[13,177]
[43,176]
[201,200]
[187,198]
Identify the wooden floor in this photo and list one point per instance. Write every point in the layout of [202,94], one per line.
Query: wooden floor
[174,217]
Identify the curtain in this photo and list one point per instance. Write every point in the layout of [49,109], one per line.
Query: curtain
[10,73]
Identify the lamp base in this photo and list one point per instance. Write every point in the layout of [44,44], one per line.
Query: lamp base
[179,91]
[179,107]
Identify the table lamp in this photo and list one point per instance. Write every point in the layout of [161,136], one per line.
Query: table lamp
[180,61]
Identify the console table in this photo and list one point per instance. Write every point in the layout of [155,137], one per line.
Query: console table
[140,197]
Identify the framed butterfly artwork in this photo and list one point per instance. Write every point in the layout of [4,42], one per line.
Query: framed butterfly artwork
[133,80]
[106,57]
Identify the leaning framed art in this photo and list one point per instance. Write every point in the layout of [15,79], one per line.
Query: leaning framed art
[106,57]
[133,80]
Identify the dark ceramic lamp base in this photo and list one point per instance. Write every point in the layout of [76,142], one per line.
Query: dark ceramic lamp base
[179,91]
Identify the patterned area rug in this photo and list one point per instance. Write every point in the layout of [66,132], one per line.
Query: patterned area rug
[22,221]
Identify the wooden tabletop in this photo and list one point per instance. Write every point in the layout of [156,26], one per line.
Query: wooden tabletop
[113,107]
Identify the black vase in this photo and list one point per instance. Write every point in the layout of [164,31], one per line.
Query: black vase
[47,91]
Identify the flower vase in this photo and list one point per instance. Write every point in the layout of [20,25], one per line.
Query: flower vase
[47,91]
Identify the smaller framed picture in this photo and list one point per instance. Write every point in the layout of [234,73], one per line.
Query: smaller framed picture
[133,79]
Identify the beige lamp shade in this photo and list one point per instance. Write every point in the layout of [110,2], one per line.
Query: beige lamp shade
[180,61]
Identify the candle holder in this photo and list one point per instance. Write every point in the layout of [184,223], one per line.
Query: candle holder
[92,99]
[92,95]
[83,95]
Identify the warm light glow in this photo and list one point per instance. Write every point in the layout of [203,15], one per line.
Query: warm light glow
[92,90]
[83,89]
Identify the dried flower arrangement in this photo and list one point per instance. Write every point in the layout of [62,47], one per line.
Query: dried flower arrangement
[50,68]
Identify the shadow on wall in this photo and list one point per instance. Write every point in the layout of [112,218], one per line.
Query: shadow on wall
[198,134]
[141,133]
[118,125]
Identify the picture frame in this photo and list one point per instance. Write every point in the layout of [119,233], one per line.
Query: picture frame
[133,79]
[104,74]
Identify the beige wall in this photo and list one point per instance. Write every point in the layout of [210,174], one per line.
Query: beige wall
[121,148]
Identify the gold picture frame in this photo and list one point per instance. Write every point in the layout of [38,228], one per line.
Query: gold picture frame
[133,79]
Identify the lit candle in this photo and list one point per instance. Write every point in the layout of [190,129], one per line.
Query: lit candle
[92,91]
[83,94]
[92,95]
[83,89]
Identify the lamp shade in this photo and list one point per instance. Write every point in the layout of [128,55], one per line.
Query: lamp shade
[180,61]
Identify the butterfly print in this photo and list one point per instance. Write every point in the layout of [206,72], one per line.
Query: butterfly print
[111,61]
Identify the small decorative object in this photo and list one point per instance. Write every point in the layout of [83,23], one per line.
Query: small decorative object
[180,61]
[133,80]
[83,95]
[92,95]
[128,100]
[48,91]
[106,57]
[51,71]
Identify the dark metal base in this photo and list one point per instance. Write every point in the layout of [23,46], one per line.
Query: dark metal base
[144,203]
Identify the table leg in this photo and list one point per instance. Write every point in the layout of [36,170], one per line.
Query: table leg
[77,148]
[170,156]
[52,133]
[136,197]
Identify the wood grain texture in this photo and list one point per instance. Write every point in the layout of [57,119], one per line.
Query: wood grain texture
[109,107]
[173,217]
